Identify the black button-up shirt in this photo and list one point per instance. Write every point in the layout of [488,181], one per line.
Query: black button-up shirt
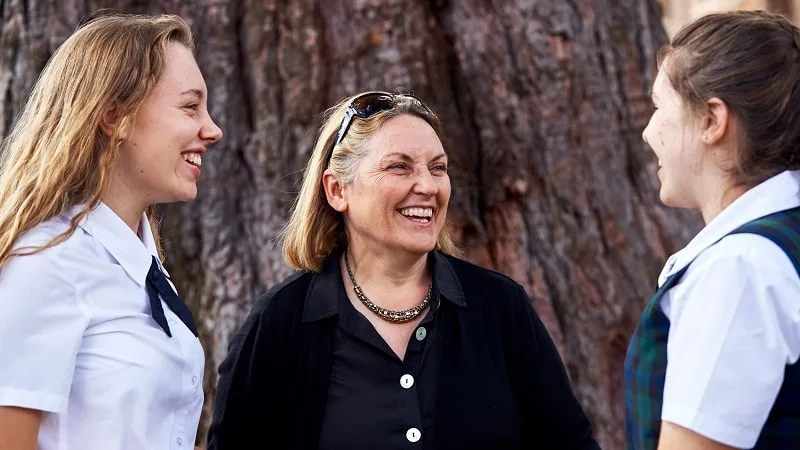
[498,381]
[374,396]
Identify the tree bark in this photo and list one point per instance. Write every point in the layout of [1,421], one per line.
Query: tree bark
[543,104]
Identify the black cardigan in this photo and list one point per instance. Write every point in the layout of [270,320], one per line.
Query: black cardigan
[500,374]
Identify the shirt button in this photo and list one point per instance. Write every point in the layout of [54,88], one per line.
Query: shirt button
[421,333]
[413,435]
[194,379]
[406,381]
[179,440]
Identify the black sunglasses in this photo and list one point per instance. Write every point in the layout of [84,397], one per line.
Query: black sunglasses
[371,103]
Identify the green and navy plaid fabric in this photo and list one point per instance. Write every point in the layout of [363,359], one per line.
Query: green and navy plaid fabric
[782,429]
[645,370]
[646,359]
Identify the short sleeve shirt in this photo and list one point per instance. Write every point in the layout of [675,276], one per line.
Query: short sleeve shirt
[734,321]
[78,343]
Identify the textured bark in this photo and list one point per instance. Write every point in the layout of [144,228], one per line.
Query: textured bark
[543,104]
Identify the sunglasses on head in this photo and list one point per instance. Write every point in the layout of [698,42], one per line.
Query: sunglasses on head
[371,103]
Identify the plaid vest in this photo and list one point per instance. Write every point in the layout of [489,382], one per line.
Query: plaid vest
[646,360]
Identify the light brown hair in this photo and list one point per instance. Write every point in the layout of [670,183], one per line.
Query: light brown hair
[314,228]
[751,61]
[57,157]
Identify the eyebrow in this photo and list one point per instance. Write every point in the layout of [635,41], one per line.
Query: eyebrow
[196,92]
[406,157]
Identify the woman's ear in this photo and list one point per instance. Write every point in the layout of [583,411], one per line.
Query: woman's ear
[111,123]
[716,121]
[334,191]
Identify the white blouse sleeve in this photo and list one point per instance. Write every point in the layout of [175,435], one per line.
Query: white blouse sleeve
[734,326]
[41,327]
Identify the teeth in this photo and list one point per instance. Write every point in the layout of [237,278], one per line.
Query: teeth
[659,163]
[417,212]
[193,158]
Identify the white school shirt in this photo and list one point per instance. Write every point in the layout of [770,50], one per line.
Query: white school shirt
[734,321]
[77,342]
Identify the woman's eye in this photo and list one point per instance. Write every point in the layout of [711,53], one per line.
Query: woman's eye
[440,167]
[192,106]
[398,166]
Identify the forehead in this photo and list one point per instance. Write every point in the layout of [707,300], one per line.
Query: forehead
[406,134]
[658,84]
[662,84]
[181,72]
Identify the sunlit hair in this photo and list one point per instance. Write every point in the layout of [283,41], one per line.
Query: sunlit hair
[57,157]
[315,229]
[751,61]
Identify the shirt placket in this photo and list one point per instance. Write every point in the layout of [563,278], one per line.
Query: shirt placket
[192,389]
[409,374]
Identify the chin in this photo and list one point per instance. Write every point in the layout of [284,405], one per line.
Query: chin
[664,198]
[674,201]
[178,197]
[419,247]
[187,194]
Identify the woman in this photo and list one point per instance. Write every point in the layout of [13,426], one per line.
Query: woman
[384,339]
[96,349]
[713,362]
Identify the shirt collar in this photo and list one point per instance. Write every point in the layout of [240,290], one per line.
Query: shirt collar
[778,193]
[322,298]
[133,253]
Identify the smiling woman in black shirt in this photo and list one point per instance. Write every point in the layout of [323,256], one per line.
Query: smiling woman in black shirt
[383,339]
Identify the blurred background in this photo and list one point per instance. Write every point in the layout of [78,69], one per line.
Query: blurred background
[678,12]
[543,104]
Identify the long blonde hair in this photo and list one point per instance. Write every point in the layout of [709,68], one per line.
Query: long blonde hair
[57,156]
[314,228]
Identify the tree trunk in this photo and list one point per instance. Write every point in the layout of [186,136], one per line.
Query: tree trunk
[543,104]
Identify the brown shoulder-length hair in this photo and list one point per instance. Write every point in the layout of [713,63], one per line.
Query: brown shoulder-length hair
[314,228]
[57,157]
[751,61]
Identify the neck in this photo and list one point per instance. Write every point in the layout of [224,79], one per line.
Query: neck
[389,269]
[718,198]
[391,279]
[124,206]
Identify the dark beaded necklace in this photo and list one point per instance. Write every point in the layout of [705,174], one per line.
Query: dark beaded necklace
[387,314]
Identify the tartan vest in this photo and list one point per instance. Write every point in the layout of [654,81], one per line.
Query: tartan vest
[646,359]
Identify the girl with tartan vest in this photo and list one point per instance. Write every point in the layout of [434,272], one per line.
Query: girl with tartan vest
[713,363]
